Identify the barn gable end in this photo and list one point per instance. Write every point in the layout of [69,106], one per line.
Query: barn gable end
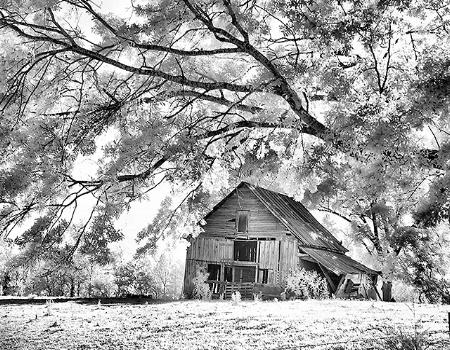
[221,221]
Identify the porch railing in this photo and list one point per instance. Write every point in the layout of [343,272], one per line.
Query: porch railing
[228,288]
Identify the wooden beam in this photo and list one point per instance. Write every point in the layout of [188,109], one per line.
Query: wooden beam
[327,276]
[257,261]
[376,290]
[343,278]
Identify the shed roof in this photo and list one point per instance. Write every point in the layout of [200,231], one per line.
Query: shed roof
[337,262]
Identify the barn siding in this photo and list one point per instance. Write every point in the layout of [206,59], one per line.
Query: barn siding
[205,248]
[261,221]
[268,254]
[288,262]
[226,248]
[189,273]
[276,251]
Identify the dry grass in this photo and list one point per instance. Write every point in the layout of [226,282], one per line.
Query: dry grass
[215,325]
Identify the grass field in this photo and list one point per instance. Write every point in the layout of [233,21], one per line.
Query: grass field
[328,324]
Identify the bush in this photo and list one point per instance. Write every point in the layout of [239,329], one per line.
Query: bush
[404,293]
[236,297]
[417,339]
[404,341]
[135,278]
[201,288]
[303,284]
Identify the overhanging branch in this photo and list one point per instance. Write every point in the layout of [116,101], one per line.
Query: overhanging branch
[203,96]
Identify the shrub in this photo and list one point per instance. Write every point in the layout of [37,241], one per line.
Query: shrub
[49,307]
[404,341]
[257,297]
[201,288]
[404,293]
[236,297]
[303,284]
[417,339]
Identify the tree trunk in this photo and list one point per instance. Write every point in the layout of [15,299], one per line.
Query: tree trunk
[376,237]
[72,288]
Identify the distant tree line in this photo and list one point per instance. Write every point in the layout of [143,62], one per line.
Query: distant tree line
[156,276]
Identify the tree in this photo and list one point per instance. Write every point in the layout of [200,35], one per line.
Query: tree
[424,261]
[168,272]
[135,278]
[6,252]
[46,262]
[346,99]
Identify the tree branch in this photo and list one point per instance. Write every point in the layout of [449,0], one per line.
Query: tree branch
[203,96]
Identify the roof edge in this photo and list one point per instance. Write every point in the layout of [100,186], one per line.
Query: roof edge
[223,200]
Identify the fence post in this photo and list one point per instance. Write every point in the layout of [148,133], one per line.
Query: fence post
[449,323]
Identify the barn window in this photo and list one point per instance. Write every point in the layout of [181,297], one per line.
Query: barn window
[245,250]
[214,272]
[263,275]
[242,221]
[244,274]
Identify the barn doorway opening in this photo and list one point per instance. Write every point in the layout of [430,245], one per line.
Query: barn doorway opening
[214,275]
[244,274]
[245,250]
[214,272]
[228,274]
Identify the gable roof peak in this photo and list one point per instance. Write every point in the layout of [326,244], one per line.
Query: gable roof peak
[295,217]
[253,186]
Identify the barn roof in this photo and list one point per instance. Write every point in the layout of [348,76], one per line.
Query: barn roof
[297,219]
[338,263]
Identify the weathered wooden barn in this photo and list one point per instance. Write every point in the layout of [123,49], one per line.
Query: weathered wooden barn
[254,237]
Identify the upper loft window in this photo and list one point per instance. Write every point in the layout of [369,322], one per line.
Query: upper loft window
[242,221]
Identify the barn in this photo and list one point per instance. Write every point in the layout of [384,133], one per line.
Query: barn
[255,237]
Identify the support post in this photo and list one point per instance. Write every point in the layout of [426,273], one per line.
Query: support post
[376,290]
[341,282]
[327,276]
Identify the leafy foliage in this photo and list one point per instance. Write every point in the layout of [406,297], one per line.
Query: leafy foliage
[201,288]
[303,284]
[424,263]
[6,253]
[134,279]
[416,339]
[159,276]
[95,242]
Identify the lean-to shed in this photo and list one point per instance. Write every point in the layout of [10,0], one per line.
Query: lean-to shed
[255,237]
